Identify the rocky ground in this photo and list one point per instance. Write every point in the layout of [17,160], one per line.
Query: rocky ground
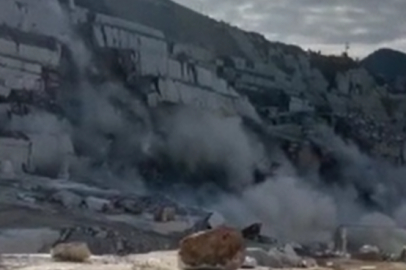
[36,213]
[166,260]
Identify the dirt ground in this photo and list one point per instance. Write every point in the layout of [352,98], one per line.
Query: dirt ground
[155,261]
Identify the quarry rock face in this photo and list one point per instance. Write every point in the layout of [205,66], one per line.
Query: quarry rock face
[222,247]
[241,75]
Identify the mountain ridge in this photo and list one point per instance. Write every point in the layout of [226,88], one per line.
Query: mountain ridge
[390,65]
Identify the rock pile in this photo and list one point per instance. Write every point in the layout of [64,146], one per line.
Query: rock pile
[108,221]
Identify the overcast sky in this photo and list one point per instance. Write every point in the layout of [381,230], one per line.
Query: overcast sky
[324,25]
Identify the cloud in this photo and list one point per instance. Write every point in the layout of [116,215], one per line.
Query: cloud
[324,25]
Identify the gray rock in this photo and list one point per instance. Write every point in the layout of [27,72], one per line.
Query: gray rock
[309,263]
[369,253]
[130,206]
[275,258]
[215,220]
[264,258]
[26,198]
[249,263]
[290,257]
[97,204]
[102,234]
[67,199]
[288,250]
[369,249]
[286,259]
[7,169]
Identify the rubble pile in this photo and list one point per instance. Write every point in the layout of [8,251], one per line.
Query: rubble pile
[50,211]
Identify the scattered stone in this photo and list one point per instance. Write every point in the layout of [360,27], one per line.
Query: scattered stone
[309,263]
[26,198]
[369,253]
[67,199]
[263,258]
[71,252]
[165,214]
[222,247]
[249,263]
[288,250]
[275,258]
[389,257]
[97,204]
[287,259]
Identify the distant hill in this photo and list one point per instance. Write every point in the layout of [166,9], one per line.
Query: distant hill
[389,65]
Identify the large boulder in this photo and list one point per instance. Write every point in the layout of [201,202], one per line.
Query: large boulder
[71,252]
[221,247]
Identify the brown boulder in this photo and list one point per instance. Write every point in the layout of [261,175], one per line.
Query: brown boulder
[71,252]
[221,247]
